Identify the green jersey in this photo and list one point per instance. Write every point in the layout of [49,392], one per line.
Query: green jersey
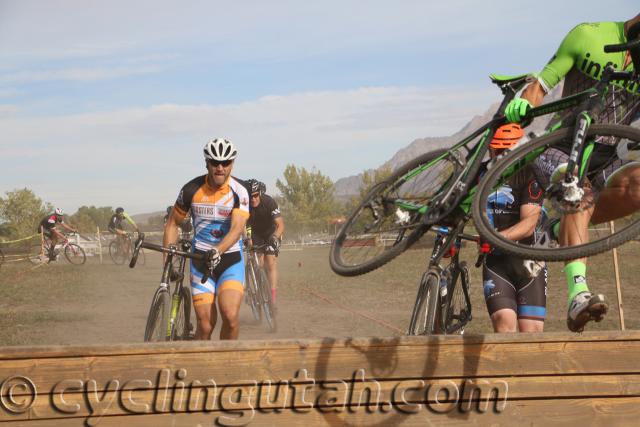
[581,59]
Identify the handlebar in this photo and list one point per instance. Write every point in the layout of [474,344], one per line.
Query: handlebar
[207,256]
[482,253]
[612,48]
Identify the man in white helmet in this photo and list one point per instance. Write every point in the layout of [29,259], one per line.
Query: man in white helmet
[219,206]
[48,228]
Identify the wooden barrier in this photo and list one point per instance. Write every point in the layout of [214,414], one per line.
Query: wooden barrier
[527,379]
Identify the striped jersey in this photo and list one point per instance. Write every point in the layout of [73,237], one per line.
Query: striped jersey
[212,210]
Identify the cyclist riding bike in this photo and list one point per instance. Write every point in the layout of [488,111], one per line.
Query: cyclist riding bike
[219,205]
[515,300]
[48,228]
[580,60]
[115,226]
[265,227]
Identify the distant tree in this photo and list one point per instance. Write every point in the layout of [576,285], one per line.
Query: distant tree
[369,179]
[307,200]
[20,213]
[87,218]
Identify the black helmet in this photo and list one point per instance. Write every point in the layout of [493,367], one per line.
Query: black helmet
[119,210]
[263,188]
[254,186]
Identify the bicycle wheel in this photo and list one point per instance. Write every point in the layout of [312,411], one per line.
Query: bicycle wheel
[424,316]
[74,254]
[158,319]
[182,326]
[264,294]
[456,312]
[116,253]
[251,290]
[388,219]
[626,228]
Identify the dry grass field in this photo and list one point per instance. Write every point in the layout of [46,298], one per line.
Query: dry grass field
[96,304]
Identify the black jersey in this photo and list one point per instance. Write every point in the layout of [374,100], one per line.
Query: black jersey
[50,221]
[262,219]
[503,205]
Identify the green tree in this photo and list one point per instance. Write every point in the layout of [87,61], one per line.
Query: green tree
[87,218]
[307,200]
[21,211]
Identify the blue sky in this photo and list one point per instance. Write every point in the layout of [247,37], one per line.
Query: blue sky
[110,102]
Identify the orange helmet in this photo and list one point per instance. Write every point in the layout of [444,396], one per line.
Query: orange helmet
[506,136]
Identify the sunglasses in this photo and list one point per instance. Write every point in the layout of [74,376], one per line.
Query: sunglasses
[215,163]
[255,195]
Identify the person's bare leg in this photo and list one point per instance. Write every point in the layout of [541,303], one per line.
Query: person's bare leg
[206,316]
[229,301]
[504,320]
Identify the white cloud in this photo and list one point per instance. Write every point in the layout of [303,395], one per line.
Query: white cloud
[121,155]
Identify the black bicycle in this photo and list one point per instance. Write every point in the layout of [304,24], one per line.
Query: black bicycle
[439,187]
[258,287]
[443,302]
[121,250]
[169,316]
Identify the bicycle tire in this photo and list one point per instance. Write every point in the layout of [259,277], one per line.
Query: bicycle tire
[75,254]
[424,316]
[357,249]
[116,253]
[252,292]
[182,326]
[158,319]
[525,154]
[264,288]
[456,312]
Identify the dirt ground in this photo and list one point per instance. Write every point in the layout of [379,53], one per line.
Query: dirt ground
[107,303]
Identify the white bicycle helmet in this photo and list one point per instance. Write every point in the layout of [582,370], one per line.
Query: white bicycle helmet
[220,149]
[59,211]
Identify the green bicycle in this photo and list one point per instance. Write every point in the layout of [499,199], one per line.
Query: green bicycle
[439,187]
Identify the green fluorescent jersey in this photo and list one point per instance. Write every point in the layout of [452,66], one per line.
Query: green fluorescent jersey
[580,60]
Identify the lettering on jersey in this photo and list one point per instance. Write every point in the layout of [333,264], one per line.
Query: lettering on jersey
[275,212]
[225,212]
[595,69]
[211,211]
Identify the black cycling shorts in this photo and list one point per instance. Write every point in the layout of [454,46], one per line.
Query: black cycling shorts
[506,285]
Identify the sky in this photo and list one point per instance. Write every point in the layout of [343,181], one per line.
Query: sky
[109,103]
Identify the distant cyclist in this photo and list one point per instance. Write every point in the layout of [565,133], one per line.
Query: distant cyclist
[265,227]
[580,60]
[219,206]
[515,300]
[115,226]
[48,228]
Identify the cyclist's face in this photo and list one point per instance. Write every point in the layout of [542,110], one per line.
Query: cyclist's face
[219,172]
[255,200]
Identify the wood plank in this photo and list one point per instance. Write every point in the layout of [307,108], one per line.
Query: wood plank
[405,395]
[569,412]
[28,352]
[331,363]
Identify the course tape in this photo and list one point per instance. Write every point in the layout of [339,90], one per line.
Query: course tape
[19,240]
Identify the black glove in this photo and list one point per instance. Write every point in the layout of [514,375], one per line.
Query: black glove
[274,244]
[213,259]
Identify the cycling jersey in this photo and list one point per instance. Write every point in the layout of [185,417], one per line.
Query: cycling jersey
[115,223]
[503,205]
[212,210]
[581,59]
[262,219]
[50,221]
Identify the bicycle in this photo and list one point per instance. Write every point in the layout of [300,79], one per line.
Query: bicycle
[439,187]
[72,252]
[258,287]
[120,250]
[169,316]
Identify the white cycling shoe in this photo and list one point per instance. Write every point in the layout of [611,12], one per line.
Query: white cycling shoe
[585,307]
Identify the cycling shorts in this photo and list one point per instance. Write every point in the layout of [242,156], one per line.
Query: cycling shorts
[507,285]
[229,274]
